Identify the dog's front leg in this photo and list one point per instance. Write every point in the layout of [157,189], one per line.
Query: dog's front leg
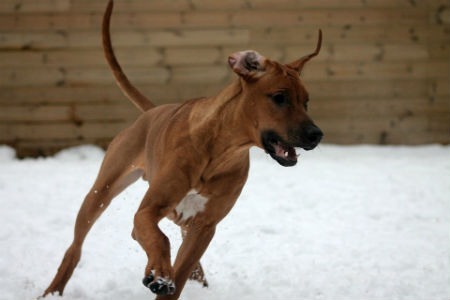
[196,241]
[156,205]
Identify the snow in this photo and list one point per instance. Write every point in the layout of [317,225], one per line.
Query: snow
[348,222]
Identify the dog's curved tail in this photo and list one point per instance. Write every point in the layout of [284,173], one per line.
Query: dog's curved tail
[129,90]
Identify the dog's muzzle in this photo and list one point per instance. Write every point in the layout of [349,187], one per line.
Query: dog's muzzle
[307,138]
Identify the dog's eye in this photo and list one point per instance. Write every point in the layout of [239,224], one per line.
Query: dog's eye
[280,99]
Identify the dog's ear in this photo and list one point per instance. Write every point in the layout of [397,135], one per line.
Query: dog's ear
[298,64]
[248,64]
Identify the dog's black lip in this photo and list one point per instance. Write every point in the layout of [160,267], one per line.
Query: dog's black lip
[270,138]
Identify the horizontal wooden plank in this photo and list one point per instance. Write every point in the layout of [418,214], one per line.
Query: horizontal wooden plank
[381,88]
[200,75]
[128,56]
[93,76]
[199,5]
[50,76]
[282,19]
[321,107]
[195,56]
[351,33]
[386,70]
[392,109]
[101,130]
[34,113]
[440,123]
[334,35]
[372,107]
[383,137]
[27,6]
[440,50]
[132,6]
[103,94]
[233,5]
[93,21]
[86,39]
[385,130]
[359,122]
[368,52]
[78,113]
[306,4]
[358,52]
[273,18]
[366,4]
[326,89]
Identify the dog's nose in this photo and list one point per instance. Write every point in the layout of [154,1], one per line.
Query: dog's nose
[313,135]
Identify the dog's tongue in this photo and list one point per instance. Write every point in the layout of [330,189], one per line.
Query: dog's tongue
[285,152]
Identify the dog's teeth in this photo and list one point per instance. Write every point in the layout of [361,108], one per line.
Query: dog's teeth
[286,153]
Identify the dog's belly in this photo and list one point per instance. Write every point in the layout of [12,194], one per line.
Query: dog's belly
[189,207]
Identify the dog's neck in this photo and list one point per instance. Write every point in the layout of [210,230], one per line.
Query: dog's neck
[221,116]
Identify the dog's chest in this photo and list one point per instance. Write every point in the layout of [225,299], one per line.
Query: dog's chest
[190,206]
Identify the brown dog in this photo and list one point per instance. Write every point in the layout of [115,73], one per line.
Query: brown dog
[196,157]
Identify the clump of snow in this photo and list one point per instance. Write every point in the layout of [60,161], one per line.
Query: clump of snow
[7,153]
[80,153]
[359,222]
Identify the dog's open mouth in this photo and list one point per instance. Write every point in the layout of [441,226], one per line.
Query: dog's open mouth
[278,149]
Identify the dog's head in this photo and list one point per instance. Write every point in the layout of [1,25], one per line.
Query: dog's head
[278,104]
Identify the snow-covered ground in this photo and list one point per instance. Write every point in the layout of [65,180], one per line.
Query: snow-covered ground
[359,222]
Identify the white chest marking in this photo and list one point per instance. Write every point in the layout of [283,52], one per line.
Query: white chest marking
[191,204]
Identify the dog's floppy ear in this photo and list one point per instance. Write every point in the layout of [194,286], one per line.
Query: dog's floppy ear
[298,64]
[248,64]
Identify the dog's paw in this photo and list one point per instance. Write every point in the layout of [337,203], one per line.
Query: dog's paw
[148,279]
[160,286]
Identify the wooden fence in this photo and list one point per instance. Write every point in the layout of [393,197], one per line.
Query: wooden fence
[382,76]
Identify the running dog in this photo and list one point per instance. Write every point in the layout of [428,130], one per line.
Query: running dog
[195,155]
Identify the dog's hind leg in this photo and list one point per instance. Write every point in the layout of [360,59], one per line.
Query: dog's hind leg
[117,172]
